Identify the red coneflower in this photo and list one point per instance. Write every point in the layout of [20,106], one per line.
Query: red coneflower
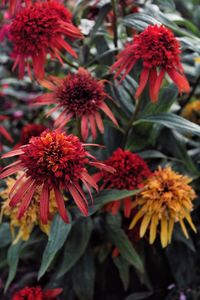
[78,95]
[159,51]
[54,161]
[130,172]
[36,293]
[38,30]
[4,132]
[28,131]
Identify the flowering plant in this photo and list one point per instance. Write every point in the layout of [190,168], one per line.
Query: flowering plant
[99,144]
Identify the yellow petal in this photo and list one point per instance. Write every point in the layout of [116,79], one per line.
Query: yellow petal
[164,232]
[139,214]
[184,229]
[170,230]
[153,229]
[188,218]
[144,224]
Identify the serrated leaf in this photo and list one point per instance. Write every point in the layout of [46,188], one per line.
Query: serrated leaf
[75,245]
[57,237]
[117,237]
[13,260]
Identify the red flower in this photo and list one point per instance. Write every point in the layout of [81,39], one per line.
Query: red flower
[54,161]
[28,131]
[4,132]
[159,52]
[78,96]
[38,30]
[36,293]
[131,171]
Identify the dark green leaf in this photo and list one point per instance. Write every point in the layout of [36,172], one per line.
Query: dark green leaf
[139,296]
[5,236]
[58,234]
[13,260]
[123,268]
[118,238]
[84,276]
[75,244]
[171,121]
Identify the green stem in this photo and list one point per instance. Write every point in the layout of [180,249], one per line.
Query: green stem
[114,6]
[130,123]
[69,62]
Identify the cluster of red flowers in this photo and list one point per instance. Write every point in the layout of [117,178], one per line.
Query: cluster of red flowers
[36,293]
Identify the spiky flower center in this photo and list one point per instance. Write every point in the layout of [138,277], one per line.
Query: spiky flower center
[131,170]
[54,157]
[80,94]
[35,27]
[157,47]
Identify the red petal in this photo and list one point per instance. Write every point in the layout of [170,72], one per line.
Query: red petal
[52,293]
[5,133]
[44,204]
[61,205]
[20,192]
[155,83]
[108,112]
[26,200]
[44,99]
[13,153]
[180,80]
[127,206]
[99,122]
[66,46]
[10,171]
[78,200]
[90,180]
[143,81]
[84,127]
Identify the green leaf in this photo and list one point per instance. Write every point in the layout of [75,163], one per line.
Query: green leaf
[5,236]
[57,237]
[107,196]
[171,121]
[117,237]
[13,260]
[165,5]
[123,268]
[75,245]
[84,276]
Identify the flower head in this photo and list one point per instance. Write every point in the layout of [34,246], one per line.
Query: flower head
[36,293]
[40,29]
[159,51]
[52,161]
[130,173]
[166,199]
[30,130]
[31,218]
[78,95]
[191,111]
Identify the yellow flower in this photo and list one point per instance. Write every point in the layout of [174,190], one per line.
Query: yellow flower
[31,217]
[167,198]
[191,111]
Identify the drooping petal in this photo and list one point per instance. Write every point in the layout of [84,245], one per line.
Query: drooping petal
[12,170]
[180,80]
[84,127]
[127,206]
[108,112]
[144,225]
[20,192]
[164,231]
[99,122]
[78,200]
[5,133]
[92,126]
[26,200]
[44,204]
[143,81]
[61,205]
[155,82]
[12,153]
[153,228]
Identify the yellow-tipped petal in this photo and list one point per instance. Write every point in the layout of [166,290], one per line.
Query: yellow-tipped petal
[170,229]
[164,232]
[188,218]
[184,229]
[139,214]
[153,229]
[144,225]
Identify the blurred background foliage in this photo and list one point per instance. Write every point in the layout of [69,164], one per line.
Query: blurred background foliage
[78,256]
